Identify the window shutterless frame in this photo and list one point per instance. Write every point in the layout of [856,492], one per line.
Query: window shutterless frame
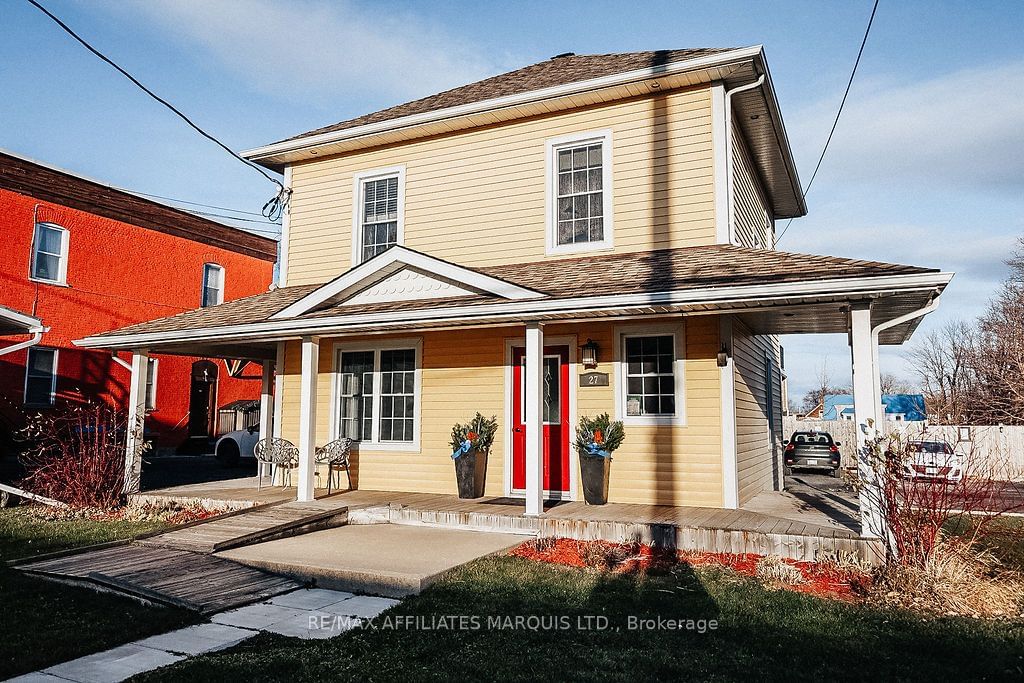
[602,138]
[678,333]
[361,181]
[214,279]
[374,442]
[154,365]
[34,377]
[49,254]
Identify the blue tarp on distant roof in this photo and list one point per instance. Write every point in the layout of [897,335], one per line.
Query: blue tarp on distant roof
[911,406]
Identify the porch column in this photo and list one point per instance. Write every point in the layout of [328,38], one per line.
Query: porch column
[533,419]
[865,377]
[278,390]
[267,417]
[307,417]
[136,420]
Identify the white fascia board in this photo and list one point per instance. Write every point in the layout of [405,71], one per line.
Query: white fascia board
[623,78]
[521,310]
[388,262]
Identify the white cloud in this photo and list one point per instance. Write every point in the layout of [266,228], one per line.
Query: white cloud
[318,50]
[957,130]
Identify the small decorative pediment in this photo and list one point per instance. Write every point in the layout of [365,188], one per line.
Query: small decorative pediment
[404,285]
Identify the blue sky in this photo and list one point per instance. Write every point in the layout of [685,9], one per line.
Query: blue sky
[926,167]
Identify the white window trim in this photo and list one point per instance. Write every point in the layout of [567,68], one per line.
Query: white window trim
[374,443]
[551,178]
[65,238]
[678,331]
[152,376]
[357,204]
[53,379]
[220,291]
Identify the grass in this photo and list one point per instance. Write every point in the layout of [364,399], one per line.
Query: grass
[761,633]
[45,623]
[1004,538]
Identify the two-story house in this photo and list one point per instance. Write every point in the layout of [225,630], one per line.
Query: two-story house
[589,234]
[83,257]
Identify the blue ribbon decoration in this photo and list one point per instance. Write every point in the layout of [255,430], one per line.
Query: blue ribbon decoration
[462,450]
[596,451]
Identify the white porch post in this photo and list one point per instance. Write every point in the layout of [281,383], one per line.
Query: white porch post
[136,420]
[267,416]
[307,417]
[278,390]
[727,381]
[865,378]
[533,419]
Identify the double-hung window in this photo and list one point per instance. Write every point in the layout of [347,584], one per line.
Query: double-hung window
[378,395]
[650,381]
[41,376]
[154,364]
[580,211]
[379,197]
[50,253]
[213,285]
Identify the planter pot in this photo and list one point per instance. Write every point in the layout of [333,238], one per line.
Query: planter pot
[594,472]
[470,472]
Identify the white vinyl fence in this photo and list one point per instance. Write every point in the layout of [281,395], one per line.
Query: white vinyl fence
[995,448]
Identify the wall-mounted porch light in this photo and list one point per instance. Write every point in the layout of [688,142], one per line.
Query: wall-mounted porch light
[723,356]
[588,354]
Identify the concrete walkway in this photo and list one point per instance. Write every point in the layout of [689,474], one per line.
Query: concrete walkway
[382,559]
[312,613]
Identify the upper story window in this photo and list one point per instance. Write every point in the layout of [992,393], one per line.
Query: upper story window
[580,206]
[41,376]
[50,254]
[213,285]
[378,216]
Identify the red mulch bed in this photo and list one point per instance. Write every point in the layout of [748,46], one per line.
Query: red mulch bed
[821,579]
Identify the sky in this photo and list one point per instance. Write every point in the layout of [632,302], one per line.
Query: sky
[926,166]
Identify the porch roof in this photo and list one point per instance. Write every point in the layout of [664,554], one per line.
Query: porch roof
[779,292]
[15,322]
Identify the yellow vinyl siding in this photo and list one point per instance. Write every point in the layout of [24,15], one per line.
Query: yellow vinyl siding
[464,372]
[756,449]
[469,191]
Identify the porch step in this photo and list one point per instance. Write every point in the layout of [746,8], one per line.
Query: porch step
[257,526]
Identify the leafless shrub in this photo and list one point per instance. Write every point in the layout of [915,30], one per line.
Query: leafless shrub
[772,570]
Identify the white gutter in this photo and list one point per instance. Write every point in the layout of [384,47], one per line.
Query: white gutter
[876,332]
[517,310]
[36,338]
[729,154]
[706,62]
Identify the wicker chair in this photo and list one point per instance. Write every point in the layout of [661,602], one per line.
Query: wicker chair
[335,456]
[279,454]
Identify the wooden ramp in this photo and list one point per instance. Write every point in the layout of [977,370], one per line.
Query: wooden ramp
[255,526]
[198,582]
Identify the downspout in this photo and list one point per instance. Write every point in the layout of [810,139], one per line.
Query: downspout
[728,152]
[876,332]
[36,338]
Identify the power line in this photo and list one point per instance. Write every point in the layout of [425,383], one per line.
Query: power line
[839,113]
[271,209]
[185,201]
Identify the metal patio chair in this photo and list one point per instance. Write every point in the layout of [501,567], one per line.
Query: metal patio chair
[279,454]
[335,455]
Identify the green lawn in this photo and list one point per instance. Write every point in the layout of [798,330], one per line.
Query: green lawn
[1003,538]
[44,622]
[762,634]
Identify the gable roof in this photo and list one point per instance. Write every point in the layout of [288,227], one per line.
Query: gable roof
[49,184]
[559,70]
[912,406]
[645,277]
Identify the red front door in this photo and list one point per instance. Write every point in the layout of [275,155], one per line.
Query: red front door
[554,410]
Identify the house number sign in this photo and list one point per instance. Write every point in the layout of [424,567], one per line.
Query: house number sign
[594,379]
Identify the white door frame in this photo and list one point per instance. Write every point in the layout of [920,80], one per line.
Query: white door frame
[558,340]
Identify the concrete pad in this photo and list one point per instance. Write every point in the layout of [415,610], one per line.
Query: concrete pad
[366,606]
[310,598]
[198,639]
[113,665]
[257,616]
[314,626]
[36,677]
[381,559]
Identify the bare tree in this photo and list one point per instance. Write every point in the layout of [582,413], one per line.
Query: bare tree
[944,360]
[891,384]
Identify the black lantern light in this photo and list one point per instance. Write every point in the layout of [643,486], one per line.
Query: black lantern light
[588,354]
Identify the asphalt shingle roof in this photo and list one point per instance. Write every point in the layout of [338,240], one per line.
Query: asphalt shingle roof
[653,271]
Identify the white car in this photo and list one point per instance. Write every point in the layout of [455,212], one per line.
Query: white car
[234,446]
[934,461]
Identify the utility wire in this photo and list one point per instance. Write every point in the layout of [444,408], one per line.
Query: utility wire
[271,210]
[839,113]
[185,201]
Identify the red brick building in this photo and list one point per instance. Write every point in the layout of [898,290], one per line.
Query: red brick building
[83,258]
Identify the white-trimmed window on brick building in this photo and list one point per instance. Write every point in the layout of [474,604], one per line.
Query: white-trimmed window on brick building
[213,285]
[580,192]
[41,376]
[378,216]
[50,254]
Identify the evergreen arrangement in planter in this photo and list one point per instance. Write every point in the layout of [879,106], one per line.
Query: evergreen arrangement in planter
[596,439]
[471,444]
